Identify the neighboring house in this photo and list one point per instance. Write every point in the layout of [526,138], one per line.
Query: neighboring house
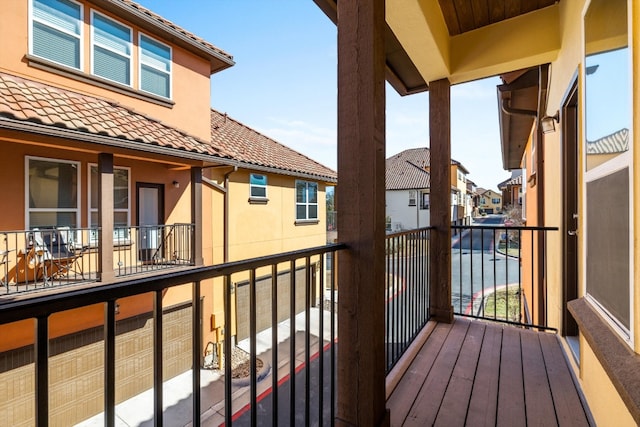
[512,189]
[407,183]
[489,201]
[118,166]
[472,198]
[460,212]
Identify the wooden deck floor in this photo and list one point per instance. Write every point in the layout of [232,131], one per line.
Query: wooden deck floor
[473,373]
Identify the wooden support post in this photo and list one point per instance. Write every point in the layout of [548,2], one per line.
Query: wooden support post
[361,167]
[196,215]
[105,217]
[440,307]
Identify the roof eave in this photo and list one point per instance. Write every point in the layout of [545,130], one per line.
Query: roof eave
[218,61]
[400,71]
[59,132]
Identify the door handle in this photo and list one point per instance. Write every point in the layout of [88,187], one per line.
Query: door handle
[572,232]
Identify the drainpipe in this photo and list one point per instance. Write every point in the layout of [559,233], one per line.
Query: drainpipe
[225,216]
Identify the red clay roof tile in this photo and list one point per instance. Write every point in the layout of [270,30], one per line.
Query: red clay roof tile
[85,113]
[251,147]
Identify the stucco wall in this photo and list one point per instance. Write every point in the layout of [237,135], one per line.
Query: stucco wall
[190,74]
[405,216]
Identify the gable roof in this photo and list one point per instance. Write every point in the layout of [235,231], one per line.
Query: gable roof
[409,169]
[259,152]
[406,170]
[31,106]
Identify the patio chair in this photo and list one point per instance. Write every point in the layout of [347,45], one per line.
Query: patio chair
[61,256]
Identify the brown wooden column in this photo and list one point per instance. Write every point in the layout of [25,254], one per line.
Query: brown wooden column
[440,255]
[361,170]
[196,215]
[105,217]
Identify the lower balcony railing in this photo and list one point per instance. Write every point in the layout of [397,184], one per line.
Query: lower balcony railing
[42,258]
[499,273]
[280,309]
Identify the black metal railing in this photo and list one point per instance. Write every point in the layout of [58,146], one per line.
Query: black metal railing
[148,248]
[41,258]
[294,279]
[498,273]
[407,290]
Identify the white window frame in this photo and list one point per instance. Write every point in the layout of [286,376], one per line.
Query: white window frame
[252,186]
[307,203]
[129,48]
[79,36]
[141,62]
[28,210]
[117,236]
[412,197]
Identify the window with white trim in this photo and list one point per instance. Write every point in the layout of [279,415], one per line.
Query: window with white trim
[53,193]
[155,67]
[306,200]
[56,31]
[110,49]
[258,186]
[412,197]
[121,202]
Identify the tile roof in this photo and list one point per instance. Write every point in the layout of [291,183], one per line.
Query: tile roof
[617,142]
[406,171]
[255,149]
[30,101]
[166,25]
[510,182]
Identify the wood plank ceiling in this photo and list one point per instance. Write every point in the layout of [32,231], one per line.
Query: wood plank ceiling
[466,15]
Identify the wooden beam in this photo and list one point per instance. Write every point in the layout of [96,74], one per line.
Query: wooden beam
[361,167]
[440,254]
[105,217]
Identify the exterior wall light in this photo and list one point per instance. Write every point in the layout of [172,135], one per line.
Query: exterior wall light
[548,123]
[176,184]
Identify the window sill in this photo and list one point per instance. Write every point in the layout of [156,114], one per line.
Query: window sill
[258,200]
[72,73]
[620,363]
[307,222]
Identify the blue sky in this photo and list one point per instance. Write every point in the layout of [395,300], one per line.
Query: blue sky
[284,83]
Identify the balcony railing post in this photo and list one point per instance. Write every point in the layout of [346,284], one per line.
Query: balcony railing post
[42,370]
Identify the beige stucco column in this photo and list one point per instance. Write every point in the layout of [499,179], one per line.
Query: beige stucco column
[105,217]
[196,215]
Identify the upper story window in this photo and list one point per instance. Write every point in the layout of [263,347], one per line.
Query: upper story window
[258,185]
[424,203]
[306,200]
[495,201]
[110,49]
[57,31]
[412,197]
[155,67]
